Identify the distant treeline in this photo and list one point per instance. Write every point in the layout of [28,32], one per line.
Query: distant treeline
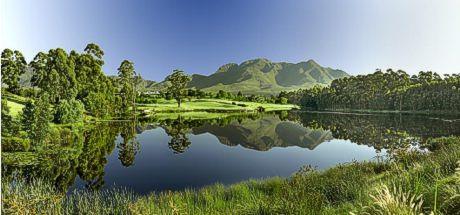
[390,90]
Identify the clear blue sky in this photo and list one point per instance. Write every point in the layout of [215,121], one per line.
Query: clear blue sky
[357,36]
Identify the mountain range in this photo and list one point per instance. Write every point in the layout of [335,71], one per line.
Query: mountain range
[261,76]
[258,76]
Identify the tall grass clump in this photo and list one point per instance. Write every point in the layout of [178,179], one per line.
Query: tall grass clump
[36,196]
[420,183]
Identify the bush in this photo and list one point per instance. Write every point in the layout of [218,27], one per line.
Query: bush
[261,109]
[283,100]
[28,92]
[69,111]
[15,144]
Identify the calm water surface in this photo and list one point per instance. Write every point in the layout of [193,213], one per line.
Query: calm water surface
[175,154]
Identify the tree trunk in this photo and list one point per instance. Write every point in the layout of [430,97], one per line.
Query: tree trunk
[178,102]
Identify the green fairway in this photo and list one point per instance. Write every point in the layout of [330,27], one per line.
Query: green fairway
[211,105]
[193,115]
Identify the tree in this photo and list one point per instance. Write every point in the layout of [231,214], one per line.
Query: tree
[13,66]
[42,117]
[28,117]
[178,81]
[389,90]
[95,89]
[69,111]
[54,73]
[126,74]
[7,119]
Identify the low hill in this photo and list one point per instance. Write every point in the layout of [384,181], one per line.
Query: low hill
[261,76]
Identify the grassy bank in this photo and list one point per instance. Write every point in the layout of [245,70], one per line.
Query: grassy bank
[407,183]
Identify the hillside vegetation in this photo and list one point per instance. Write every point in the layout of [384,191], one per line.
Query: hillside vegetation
[261,76]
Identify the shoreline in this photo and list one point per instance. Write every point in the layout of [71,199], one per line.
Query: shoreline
[370,112]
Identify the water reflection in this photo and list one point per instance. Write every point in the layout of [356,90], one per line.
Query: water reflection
[84,155]
[129,147]
[265,133]
[178,131]
[381,131]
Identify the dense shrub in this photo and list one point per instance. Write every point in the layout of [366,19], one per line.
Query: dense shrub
[28,92]
[282,100]
[15,144]
[146,100]
[261,109]
[69,111]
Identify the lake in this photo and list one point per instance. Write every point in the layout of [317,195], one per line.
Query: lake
[175,154]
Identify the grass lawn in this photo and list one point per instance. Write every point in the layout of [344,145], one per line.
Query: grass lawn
[211,105]
[193,115]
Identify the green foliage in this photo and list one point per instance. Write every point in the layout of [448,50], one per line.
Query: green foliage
[15,144]
[178,82]
[13,66]
[282,100]
[126,81]
[75,76]
[28,118]
[69,111]
[42,116]
[388,90]
[54,73]
[7,120]
[95,89]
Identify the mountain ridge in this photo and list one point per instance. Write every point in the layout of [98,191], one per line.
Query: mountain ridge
[263,76]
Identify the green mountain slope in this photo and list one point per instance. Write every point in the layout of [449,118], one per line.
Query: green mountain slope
[265,77]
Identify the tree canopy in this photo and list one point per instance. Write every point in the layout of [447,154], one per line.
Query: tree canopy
[13,66]
[178,82]
[390,90]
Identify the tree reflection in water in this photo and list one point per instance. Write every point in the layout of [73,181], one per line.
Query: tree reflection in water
[178,131]
[129,147]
